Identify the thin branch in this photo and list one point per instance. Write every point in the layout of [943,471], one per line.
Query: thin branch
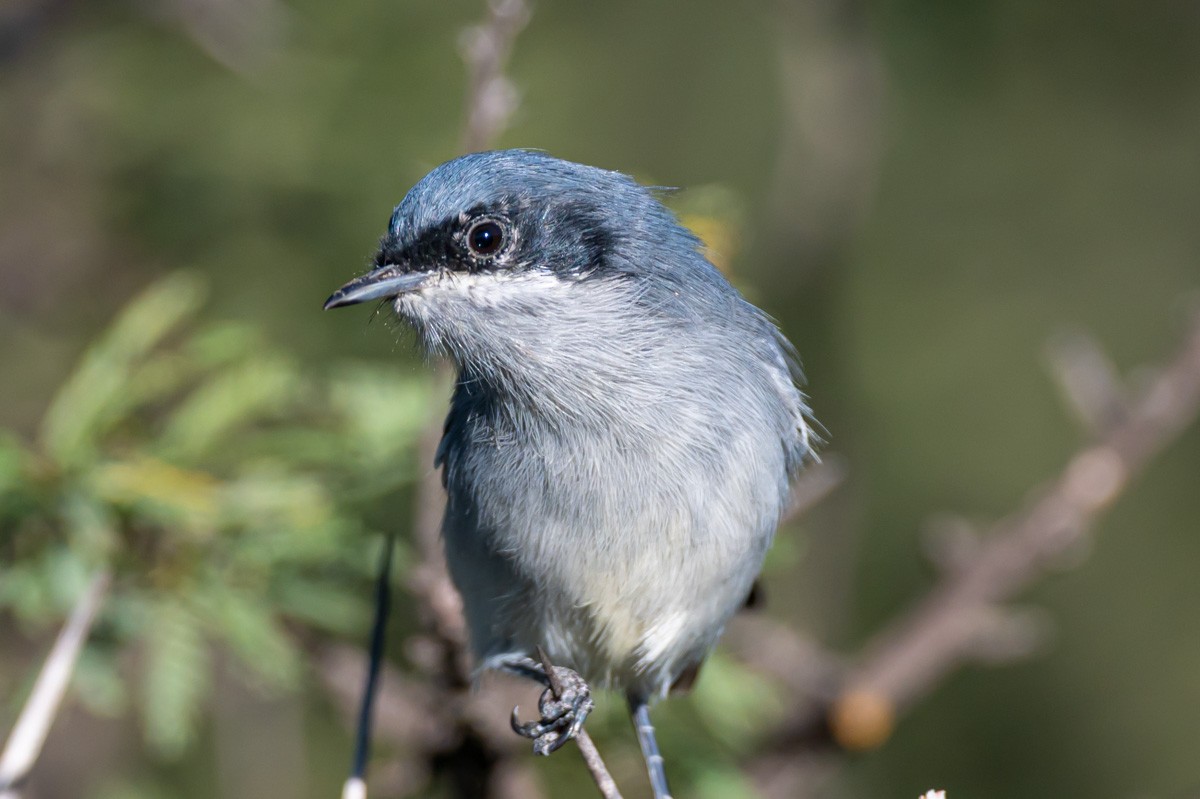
[906,659]
[491,96]
[591,755]
[595,765]
[1088,380]
[913,654]
[29,734]
[814,484]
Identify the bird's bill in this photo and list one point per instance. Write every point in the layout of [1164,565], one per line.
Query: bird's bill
[385,282]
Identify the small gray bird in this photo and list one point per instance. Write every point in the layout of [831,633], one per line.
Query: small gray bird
[623,430]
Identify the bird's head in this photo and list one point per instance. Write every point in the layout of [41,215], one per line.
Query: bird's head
[489,244]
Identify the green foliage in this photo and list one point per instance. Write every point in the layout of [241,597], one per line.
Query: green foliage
[177,665]
[224,487]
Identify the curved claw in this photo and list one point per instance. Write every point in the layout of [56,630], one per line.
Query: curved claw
[561,719]
[532,729]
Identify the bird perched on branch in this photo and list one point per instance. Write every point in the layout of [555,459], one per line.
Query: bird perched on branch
[622,434]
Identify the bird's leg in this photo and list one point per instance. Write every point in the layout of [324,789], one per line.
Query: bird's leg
[564,705]
[639,712]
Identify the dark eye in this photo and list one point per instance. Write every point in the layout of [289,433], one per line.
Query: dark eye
[485,237]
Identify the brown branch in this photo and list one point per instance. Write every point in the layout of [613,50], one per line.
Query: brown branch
[906,660]
[591,755]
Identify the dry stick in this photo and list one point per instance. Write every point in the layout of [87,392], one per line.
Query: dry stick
[814,484]
[491,97]
[595,765]
[913,654]
[29,734]
[591,755]
[907,659]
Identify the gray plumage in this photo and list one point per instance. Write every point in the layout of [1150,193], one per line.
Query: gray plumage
[624,426]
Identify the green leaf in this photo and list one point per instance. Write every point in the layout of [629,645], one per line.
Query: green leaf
[235,397]
[384,411]
[724,783]
[274,503]
[732,701]
[98,683]
[222,343]
[12,460]
[184,500]
[260,643]
[89,402]
[91,528]
[25,591]
[319,604]
[176,678]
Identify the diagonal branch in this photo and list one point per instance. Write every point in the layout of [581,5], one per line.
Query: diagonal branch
[906,659]
[29,734]
[909,657]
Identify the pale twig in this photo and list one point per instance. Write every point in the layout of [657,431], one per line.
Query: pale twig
[591,755]
[1087,379]
[491,96]
[914,653]
[907,658]
[595,765]
[29,733]
[814,484]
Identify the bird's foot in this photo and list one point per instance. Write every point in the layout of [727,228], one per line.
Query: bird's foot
[564,706]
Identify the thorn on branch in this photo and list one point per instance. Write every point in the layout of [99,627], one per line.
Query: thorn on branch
[1003,635]
[814,484]
[950,542]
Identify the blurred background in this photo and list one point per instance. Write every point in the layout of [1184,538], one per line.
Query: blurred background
[923,193]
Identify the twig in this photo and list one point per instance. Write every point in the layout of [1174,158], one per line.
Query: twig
[913,654]
[814,484]
[29,734]
[491,96]
[355,786]
[587,747]
[490,103]
[595,764]
[1088,380]
[906,659]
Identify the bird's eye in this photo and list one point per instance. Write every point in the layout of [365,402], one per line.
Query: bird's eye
[485,237]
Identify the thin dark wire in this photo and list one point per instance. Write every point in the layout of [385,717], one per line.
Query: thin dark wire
[383,603]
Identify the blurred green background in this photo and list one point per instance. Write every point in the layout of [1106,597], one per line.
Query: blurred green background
[922,192]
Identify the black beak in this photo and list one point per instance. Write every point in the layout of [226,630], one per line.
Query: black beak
[384,282]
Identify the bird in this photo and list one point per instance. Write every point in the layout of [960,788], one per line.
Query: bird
[622,434]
